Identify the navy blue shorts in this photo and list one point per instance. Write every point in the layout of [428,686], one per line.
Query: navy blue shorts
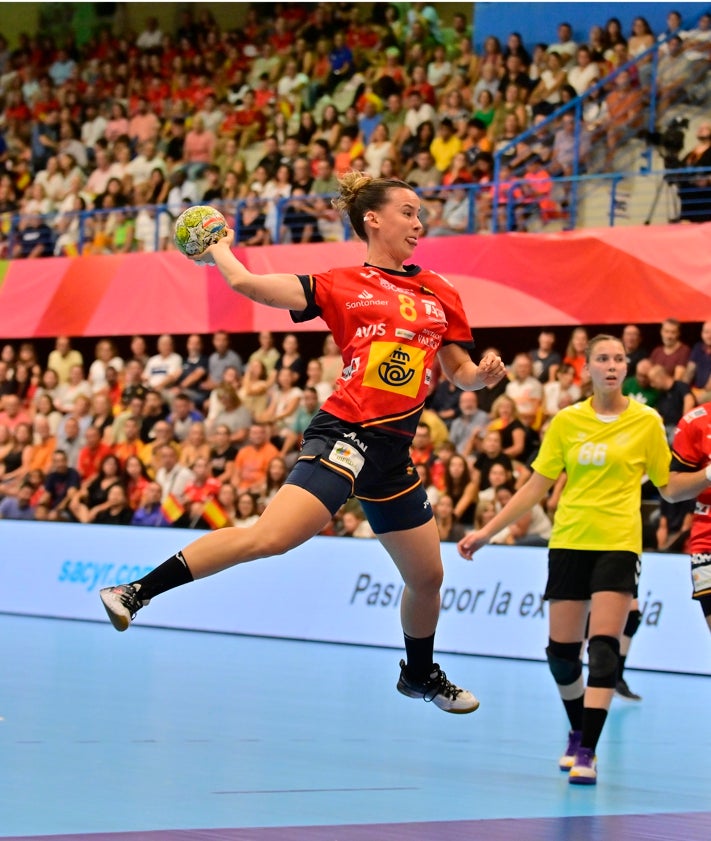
[339,460]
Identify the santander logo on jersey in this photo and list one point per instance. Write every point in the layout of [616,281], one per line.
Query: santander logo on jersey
[365,299]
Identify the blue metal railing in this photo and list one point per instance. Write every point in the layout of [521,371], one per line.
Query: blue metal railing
[577,107]
[503,199]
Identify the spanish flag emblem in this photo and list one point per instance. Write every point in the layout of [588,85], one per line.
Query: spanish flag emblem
[214,514]
[171,508]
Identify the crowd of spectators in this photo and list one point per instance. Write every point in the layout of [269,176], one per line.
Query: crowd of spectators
[203,438]
[278,107]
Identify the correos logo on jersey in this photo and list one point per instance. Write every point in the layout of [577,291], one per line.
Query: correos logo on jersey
[394,367]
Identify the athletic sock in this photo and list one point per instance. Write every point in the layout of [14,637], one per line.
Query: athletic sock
[621,668]
[172,573]
[574,709]
[420,656]
[593,722]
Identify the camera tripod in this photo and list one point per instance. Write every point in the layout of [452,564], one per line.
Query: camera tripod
[671,197]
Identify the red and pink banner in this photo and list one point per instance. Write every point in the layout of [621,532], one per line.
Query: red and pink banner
[592,276]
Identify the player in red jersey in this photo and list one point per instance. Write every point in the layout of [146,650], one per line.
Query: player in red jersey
[391,321]
[690,478]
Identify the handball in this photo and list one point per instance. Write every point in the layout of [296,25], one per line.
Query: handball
[197,228]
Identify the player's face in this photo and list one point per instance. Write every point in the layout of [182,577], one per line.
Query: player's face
[400,220]
[607,366]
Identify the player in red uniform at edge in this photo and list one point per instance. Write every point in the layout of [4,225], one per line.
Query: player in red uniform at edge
[690,478]
[390,320]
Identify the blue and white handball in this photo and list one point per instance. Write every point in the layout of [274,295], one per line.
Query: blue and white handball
[197,228]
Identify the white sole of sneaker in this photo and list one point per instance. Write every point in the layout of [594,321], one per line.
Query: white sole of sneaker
[119,622]
[403,690]
[471,709]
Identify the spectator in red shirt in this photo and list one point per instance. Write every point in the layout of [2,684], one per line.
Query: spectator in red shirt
[92,454]
[246,123]
[419,83]
[203,486]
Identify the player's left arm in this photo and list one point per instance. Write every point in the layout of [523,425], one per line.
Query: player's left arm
[689,476]
[686,485]
[459,368]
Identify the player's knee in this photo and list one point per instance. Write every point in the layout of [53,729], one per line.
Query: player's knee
[634,618]
[267,543]
[564,661]
[427,580]
[603,661]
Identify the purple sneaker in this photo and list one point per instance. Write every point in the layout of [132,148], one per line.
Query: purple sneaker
[584,770]
[566,761]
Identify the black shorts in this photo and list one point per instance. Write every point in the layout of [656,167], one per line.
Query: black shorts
[575,574]
[340,459]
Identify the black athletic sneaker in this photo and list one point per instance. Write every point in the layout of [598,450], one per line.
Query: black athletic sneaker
[438,690]
[122,603]
[623,691]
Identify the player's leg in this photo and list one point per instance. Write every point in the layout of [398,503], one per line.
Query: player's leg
[701,581]
[416,553]
[705,602]
[634,618]
[608,613]
[567,624]
[293,516]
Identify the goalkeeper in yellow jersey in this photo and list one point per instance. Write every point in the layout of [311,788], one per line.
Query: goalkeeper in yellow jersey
[605,444]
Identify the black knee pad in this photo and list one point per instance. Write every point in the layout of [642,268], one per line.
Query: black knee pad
[634,617]
[564,661]
[603,661]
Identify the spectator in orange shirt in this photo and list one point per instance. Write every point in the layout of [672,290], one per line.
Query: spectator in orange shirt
[131,444]
[44,446]
[622,114]
[252,461]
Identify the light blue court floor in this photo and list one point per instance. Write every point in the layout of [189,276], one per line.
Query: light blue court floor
[157,735]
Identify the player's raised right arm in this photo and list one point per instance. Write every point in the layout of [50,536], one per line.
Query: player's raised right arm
[275,290]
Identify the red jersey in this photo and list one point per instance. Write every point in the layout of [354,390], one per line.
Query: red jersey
[389,326]
[89,461]
[201,493]
[691,450]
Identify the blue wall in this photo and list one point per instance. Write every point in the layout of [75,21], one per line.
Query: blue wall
[538,22]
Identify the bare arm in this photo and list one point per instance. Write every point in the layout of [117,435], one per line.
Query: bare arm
[467,498]
[193,377]
[520,503]
[683,486]
[689,403]
[283,291]
[467,375]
